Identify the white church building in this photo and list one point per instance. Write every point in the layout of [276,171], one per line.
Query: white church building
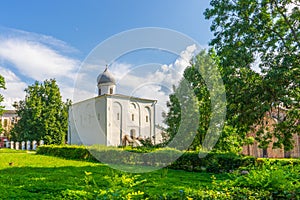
[111,119]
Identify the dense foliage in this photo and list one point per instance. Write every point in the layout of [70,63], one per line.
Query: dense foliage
[205,84]
[183,117]
[279,180]
[190,161]
[43,114]
[263,35]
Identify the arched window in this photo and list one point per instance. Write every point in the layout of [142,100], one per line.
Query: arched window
[99,91]
[132,117]
[110,91]
[132,106]
[148,113]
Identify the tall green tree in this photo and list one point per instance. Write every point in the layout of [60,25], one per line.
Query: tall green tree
[205,89]
[265,32]
[43,114]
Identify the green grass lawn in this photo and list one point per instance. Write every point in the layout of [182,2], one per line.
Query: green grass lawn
[25,175]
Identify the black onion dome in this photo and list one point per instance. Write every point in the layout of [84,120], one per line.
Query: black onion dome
[106,77]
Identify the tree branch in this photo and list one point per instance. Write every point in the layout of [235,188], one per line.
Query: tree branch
[287,22]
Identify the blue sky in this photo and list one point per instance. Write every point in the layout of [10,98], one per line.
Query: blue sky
[50,39]
[83,24]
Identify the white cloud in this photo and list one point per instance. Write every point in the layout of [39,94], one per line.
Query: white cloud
[35,60]
[120,69]
[14,88]
[154,84]
[85,82]
[35,57]
[47,40]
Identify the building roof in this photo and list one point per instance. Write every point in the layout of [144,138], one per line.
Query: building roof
[129,97]
[106,77]
[117,96]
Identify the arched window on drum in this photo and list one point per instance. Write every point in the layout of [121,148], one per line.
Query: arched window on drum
[147,115]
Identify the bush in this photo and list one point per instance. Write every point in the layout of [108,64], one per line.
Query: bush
[66,151]
[281,182]
[190,161]
[212,162]
[280,162]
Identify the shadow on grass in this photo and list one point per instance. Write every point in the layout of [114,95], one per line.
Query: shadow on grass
[69,181]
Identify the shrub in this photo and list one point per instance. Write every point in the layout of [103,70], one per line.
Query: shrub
[280,162]
[190,161]
[281,182]
[117,187]
[66,151]
[213,162]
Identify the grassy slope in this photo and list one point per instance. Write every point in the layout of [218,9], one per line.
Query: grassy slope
[36,177]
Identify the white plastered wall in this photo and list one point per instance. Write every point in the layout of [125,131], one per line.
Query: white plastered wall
[87,120]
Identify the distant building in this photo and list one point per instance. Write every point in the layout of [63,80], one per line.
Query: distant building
[270,119]
[111,119]
[8,119]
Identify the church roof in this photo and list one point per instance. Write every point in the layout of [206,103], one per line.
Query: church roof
[106,77]
[129,97]
[121,96]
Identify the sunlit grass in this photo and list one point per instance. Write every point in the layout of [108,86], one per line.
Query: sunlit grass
[25,175]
